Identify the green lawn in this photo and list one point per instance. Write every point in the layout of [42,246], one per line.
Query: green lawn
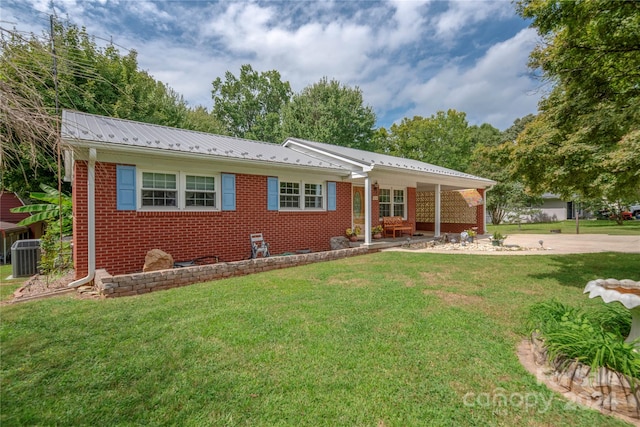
[388,339]
[8,286]
[569,227]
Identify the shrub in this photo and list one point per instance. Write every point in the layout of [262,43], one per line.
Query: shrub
[595,338]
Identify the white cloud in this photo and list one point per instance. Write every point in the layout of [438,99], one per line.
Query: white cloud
[497,89]
[461,15]
[148,11]
[407,25]
[404,55]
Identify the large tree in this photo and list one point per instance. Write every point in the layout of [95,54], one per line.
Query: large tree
[586,138]
[88,79]
[330,112]
[249,106]
[491,159]
[444,139]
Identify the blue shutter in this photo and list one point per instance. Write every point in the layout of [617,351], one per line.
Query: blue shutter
[331,196]
[125,188]
[228,192]
[272,193]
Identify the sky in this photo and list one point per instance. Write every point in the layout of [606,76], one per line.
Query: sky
[408,57]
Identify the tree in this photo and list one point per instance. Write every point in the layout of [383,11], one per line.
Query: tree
[56,205]
[586,138]
[443,139]
[330,112]
[508,199]
[199,119]
[88,79]
[249,106]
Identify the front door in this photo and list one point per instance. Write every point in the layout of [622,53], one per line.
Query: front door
[359,206]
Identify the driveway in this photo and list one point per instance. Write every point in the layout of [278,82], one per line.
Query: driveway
[577,243]
[551,244]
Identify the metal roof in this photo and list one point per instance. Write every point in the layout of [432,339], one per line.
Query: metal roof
[82,128]
[373,160]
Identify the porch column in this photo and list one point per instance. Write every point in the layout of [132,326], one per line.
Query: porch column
[367,211]
[436,224]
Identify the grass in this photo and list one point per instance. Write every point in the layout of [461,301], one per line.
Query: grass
[387,339]
[629,228]
[8,286]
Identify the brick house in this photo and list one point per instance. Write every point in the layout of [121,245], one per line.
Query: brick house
[138,187]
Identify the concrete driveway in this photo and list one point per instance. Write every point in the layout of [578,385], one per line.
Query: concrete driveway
[551,244]
[577,243]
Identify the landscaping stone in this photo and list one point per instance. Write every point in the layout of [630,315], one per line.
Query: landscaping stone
[339,242]
[157,259]
[137,283]
[606,389]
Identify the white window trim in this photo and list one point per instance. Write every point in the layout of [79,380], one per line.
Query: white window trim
[391,202]
[302,183]
[181,189]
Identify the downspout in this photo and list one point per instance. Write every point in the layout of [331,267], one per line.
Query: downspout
[91,217]
[437,218]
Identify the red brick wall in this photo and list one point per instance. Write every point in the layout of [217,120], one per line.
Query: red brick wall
[80,225]
[124,237]
[480,213]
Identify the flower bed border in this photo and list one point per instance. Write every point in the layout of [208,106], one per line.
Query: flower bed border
[606,390]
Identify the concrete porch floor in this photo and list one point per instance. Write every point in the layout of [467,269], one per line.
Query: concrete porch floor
[390,242]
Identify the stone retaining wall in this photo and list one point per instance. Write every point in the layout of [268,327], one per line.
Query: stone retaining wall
[140,283]
[608,389]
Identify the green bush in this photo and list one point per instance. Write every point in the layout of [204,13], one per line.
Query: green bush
[594,337]
[56,255]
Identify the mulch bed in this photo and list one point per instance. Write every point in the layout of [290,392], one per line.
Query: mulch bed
[41,286]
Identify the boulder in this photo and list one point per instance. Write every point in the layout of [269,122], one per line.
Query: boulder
[339,242]
[157,260]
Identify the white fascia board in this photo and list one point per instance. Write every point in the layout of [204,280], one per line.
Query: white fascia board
[454,180]
[160,157]
[292,144]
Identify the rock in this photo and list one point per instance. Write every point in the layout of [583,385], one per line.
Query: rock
[157,260]
[339,242]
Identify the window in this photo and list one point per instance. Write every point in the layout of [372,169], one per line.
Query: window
[384,200]
[200,191]
[313,196]
[177,190]
[291,195]
[159,189]
[391,202]
[398,203]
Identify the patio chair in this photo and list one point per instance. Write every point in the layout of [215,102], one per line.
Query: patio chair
[258,245]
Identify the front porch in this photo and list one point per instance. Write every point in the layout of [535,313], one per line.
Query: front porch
[420,236]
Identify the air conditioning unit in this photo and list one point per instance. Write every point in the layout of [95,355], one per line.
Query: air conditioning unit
[25,257]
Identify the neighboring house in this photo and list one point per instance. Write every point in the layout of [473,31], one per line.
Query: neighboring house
[10,231]
[554,208]
[138,187]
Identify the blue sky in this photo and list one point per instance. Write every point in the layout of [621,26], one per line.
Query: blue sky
[409,57]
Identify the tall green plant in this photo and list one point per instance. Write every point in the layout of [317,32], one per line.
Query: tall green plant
[56,254]
[594,337]
[56,205]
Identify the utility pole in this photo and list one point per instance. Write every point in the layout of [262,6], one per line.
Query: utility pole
[54,71]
